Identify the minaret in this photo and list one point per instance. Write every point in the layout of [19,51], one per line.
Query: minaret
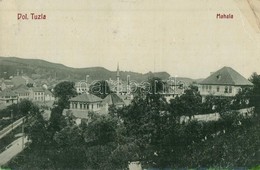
[128,84]
[117,79]
[86,84]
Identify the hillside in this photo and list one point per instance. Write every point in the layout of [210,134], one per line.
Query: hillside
[40,69]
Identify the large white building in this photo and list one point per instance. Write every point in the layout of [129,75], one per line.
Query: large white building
[87,102]
[224,82]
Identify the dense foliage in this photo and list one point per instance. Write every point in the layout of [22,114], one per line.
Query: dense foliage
[63,92]
[149,130]
[255,94]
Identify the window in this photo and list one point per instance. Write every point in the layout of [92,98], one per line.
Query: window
[87,106]
[226,89]
[217,88]
[84,106]
[80,106]
[230,89]
[92,106]
[210,88]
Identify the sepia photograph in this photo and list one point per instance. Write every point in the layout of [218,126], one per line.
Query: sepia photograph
[130,85]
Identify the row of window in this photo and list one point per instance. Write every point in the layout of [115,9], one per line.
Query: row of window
[38,98]
[80,89]
[26,94]
[227,89]
[38,93]
[84,106]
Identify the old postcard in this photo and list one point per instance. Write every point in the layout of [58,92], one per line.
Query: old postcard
[129,84]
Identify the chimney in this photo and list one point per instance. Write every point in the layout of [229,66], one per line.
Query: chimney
[87,76]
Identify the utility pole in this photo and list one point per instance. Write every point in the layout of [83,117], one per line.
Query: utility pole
[12,118]
[23,134]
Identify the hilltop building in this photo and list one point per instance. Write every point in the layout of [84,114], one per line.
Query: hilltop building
[224,82]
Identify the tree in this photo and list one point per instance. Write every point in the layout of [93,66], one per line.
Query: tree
[57,120]
[64,91]
[241,99]
[187,104]
[145,122]
[105,144]
[255,96]
[27,107]
[70,147]
[37,132]
[100,89]
[156,85]
[29,85]
[219,104]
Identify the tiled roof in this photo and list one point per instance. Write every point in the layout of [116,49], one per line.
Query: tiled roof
[21,89]
[226,76]
[38,89]
[47,92]
[90,98]
[113,99]
[7,93]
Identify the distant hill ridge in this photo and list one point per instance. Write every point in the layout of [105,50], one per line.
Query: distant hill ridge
[41,69]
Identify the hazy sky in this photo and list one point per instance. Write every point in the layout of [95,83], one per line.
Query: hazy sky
[182,37]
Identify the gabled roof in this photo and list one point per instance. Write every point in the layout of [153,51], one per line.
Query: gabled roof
[226,76]
[21,90]
[48,92]
[90,98]
[20,87]
[38,89]
[113,99]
